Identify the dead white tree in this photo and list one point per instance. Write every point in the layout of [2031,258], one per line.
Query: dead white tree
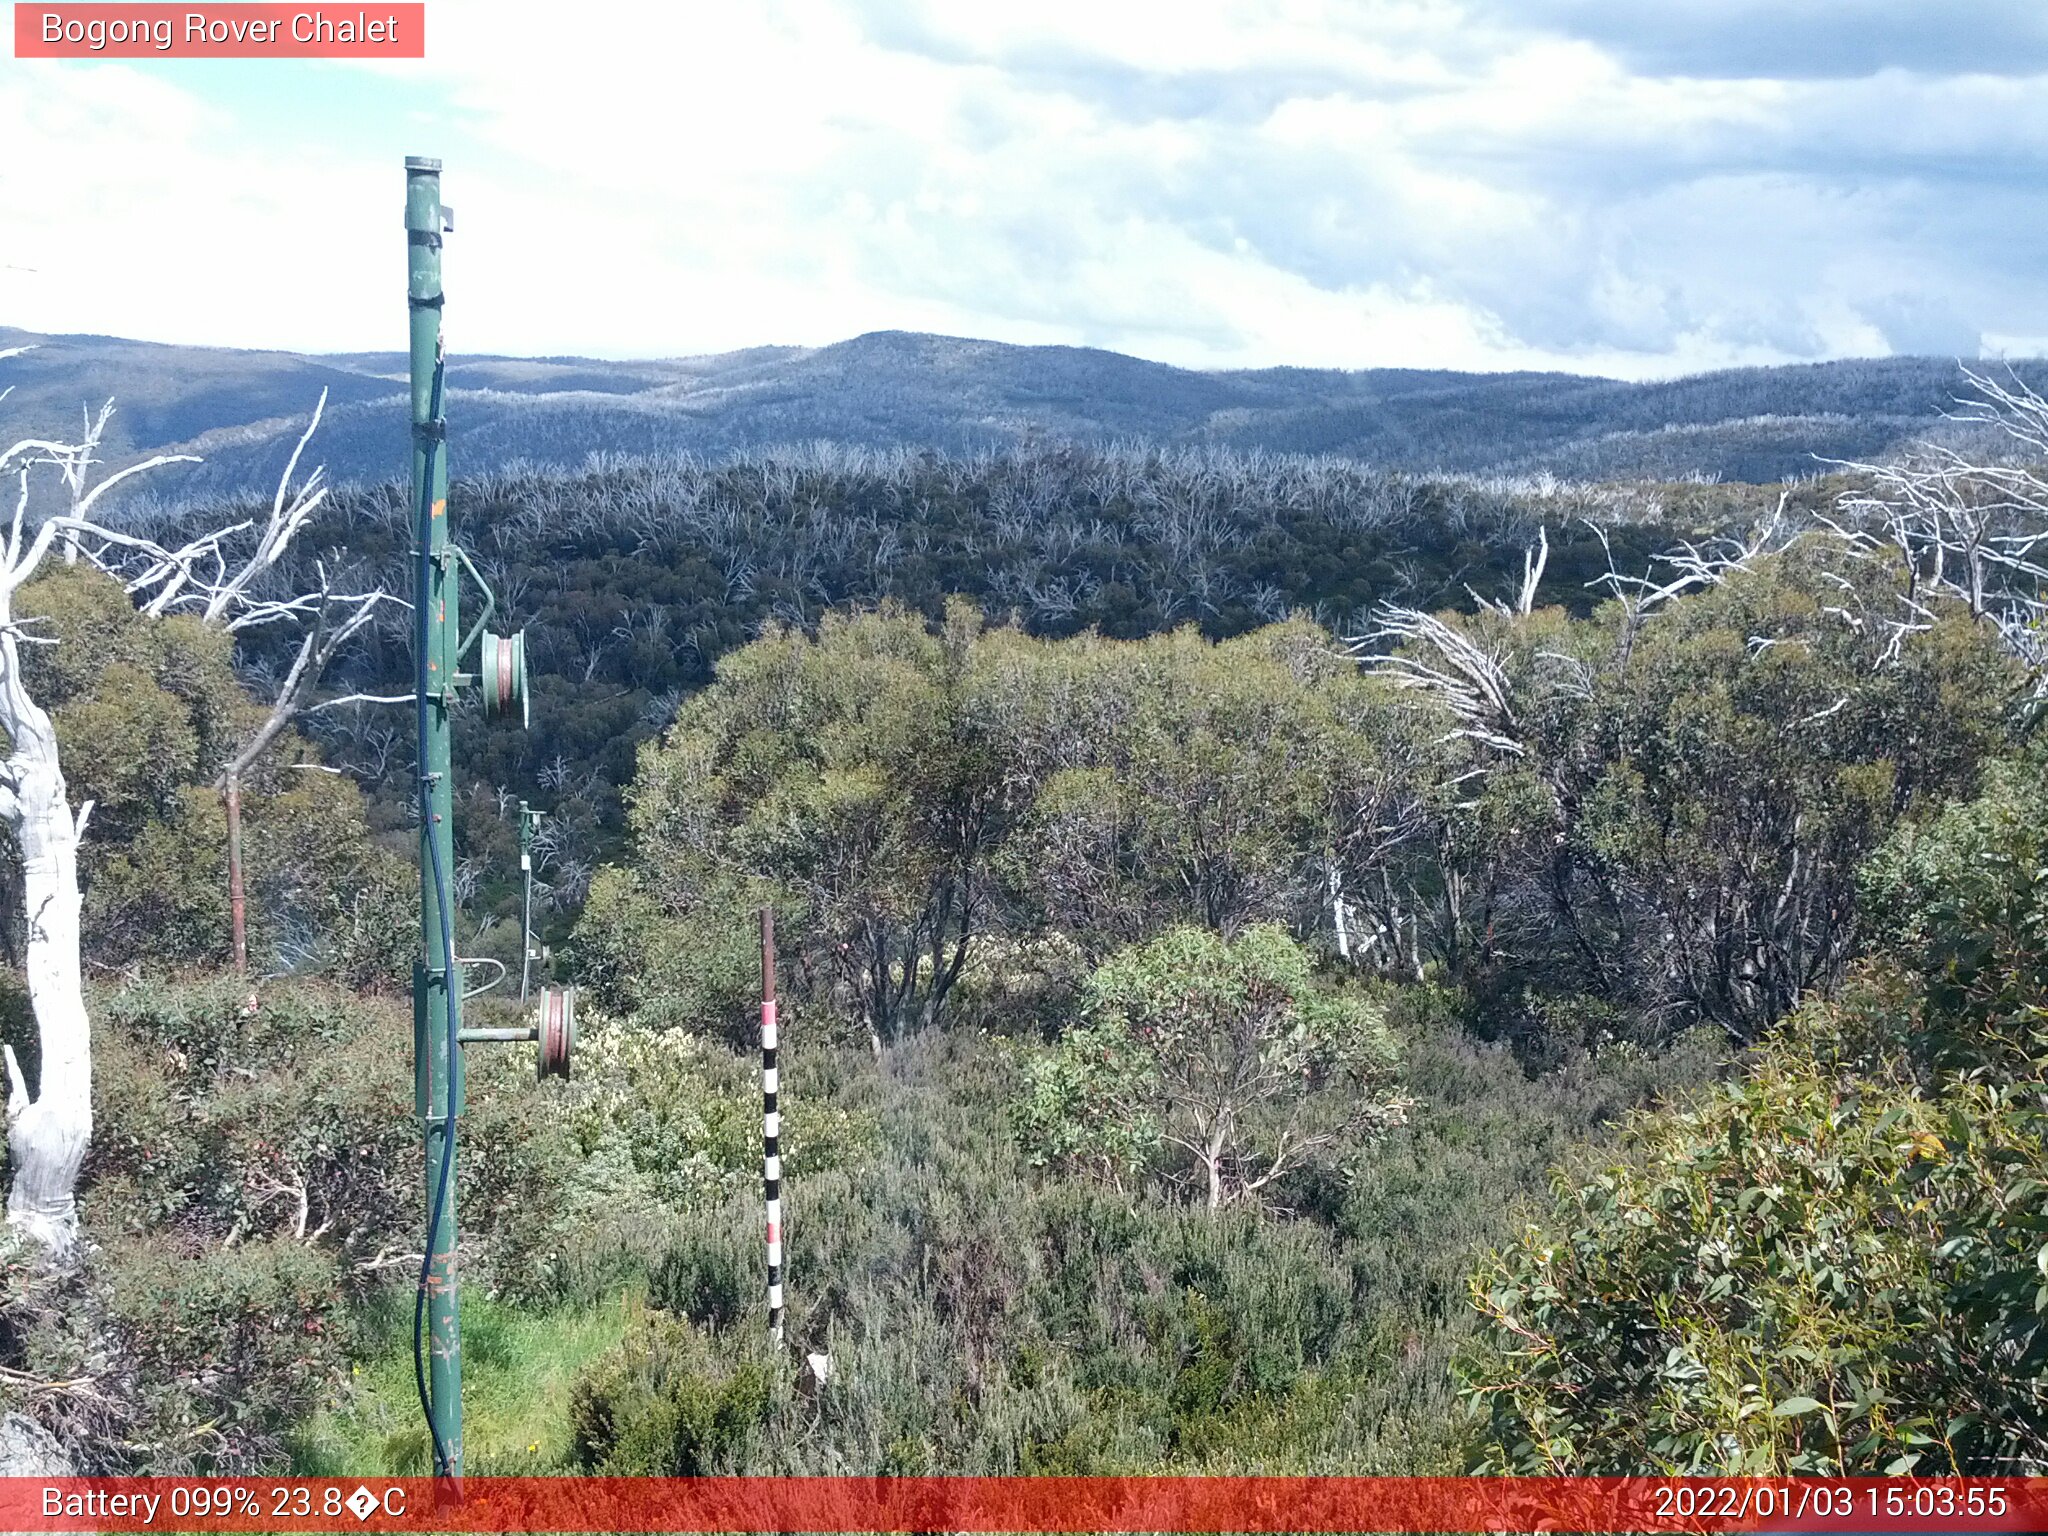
[1534,559]
[49,1125]
[1474,670]
[335,620]
[1688,567]
[1972,528]
[47,1133]
[1420,651]
[1457,665]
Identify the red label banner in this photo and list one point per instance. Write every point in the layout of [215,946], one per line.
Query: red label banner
[235,31]
[1027,1504]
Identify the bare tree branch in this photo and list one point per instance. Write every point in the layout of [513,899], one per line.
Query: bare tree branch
[1970,530]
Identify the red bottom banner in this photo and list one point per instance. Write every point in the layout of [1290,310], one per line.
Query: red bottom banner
[1566,1504]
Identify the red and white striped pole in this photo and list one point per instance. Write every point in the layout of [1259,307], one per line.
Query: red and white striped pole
[771,1125]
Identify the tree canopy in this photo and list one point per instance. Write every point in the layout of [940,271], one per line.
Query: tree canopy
[1837,1262]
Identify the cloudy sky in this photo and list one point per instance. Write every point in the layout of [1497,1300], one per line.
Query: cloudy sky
[1631,187]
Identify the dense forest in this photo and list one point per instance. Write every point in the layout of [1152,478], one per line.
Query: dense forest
[632,578]
[1287,967]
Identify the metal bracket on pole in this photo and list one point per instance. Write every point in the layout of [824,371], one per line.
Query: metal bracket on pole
[461,555]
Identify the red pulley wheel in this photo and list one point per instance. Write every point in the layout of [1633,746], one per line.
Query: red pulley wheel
[557,1030]
[501,675]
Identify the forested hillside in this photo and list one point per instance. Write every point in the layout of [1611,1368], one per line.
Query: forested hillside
[1286,966]
[896,389]
[633,577]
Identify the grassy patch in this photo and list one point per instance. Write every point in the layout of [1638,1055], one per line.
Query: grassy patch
[517,1371]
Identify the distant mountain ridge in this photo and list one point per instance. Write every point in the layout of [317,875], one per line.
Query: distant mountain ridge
[243,409]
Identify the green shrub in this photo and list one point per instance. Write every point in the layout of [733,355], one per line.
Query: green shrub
[697,971]
[255,1172]
[229,1347]
[1963,903]
[984,1318]
[1834,1263]
[1217,1063]
[713,1272]
[664,1404]
[292,1118]
[520,1178]
[1779,1278]
[670,1119]
[163,1356]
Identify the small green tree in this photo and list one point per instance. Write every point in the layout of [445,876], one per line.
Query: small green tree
[1836,1263]
[844,777]
[1219,1061]
[698,970]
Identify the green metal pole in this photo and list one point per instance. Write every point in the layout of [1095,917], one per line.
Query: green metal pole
[437,995]
[526,820]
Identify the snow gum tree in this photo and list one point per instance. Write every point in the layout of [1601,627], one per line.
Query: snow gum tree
[49,1127]
[49,1104]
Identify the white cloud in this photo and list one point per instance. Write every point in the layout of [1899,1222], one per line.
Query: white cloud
[139,208]
[1322,182]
